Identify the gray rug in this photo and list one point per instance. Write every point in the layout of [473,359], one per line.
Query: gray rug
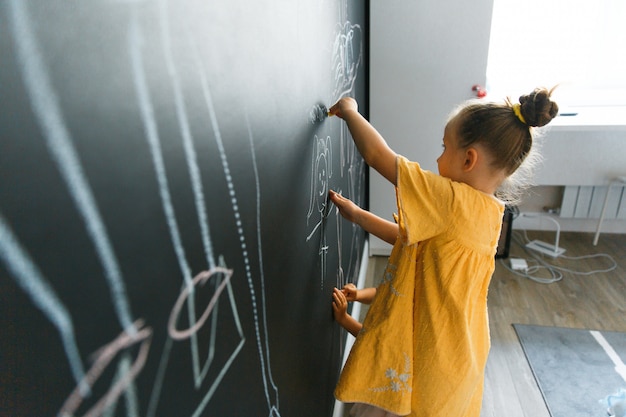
[574,370]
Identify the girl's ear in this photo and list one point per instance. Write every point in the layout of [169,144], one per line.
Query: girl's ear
[471,158]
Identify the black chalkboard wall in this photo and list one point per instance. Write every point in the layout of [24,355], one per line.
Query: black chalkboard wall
[165,244]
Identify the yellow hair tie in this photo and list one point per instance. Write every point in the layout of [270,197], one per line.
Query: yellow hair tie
[517,109]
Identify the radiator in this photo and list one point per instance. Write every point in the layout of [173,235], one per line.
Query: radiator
[585,202]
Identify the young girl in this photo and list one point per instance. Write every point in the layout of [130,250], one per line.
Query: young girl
[422,348]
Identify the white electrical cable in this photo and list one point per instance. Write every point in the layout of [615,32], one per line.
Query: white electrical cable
[555,272]
[557,224]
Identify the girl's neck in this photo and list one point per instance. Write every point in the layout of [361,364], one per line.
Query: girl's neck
[483,179]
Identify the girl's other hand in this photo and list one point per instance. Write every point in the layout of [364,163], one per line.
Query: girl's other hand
[340,305]
[343,106]
[340,312]
[350,292]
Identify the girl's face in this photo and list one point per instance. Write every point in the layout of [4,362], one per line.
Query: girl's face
[450,163]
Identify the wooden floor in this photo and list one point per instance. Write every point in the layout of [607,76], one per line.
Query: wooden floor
[595,301]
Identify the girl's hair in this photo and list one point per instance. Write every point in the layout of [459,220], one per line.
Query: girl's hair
[507,131]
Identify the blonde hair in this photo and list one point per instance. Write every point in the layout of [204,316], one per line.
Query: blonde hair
[508,132]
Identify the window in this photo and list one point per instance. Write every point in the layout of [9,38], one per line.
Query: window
[578,44]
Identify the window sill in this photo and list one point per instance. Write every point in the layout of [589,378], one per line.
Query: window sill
[590,118]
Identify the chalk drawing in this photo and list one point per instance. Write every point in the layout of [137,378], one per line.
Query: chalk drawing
[215,277]
[33,283]
[260,321]
[152,136]
[130,404]
[50,118]
[319,203]
[135,42]
[209,394]
[103,357]
[201,279]
[321,174]
[192,165]
[341,278]
[347,56]
[272,401]
[347,59]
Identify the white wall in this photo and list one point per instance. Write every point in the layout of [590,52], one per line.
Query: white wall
[425,56]
[582,155]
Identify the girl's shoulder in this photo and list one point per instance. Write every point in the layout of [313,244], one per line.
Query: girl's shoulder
[413,169]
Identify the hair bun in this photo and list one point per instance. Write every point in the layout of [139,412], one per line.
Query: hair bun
[537,108]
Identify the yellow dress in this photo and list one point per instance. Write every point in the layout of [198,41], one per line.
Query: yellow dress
[425,340]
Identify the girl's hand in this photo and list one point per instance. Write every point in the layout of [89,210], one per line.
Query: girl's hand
[350,292]
[340,312]
[346,207]
[340,306]
[343,106]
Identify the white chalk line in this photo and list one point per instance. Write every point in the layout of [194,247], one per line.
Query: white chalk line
[266,371]
[35,285]
[49,115]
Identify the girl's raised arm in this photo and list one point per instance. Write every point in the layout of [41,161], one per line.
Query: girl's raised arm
[369,142]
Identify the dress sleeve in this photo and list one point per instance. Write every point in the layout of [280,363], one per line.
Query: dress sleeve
[424,200]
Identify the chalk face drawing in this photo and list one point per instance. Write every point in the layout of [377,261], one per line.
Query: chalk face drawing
[319,205]
[194,313]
